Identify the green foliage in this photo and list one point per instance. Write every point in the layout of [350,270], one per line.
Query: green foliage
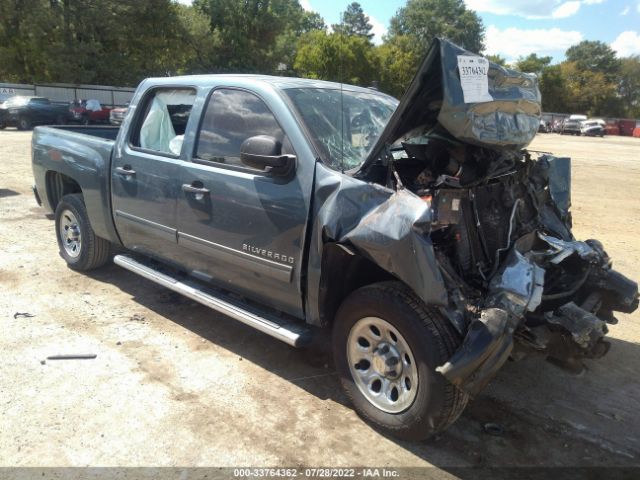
[412,29]
[399,62]
[121,42]
[336,57]
[587,91]
[533,63]
[250,31]
[595,56]
[425,19]
[629,85]
[88,41]
[354,22]
[498,60]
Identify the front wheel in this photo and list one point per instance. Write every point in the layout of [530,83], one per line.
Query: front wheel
[24,123]
[79,245]
[387,345]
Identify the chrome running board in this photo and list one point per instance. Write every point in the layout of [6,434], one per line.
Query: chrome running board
[293,333]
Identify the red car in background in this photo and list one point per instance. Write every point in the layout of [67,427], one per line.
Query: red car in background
[87,112]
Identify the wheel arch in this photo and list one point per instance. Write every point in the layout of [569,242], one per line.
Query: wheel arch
[343,271]
[58,185]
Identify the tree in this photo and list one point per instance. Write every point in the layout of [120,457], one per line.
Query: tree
[311,21]
[354,22]
[87,41]
[532,64]
[336,57]
[411,31]
[425,19]
[629,86]
[251,31]
[199,44]
[553,89]
[594,56]
[497,59]
[588,91]
[398,64]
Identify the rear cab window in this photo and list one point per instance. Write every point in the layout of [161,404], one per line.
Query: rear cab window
[163,122]
[230,117]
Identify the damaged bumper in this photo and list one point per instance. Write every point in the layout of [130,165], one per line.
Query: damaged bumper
[522,311]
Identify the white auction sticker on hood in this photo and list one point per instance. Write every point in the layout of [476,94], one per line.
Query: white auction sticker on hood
[474,78]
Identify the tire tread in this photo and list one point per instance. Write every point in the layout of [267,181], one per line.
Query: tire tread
[98,250]
[447,339]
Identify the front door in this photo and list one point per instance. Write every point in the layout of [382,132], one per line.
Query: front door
[240,228]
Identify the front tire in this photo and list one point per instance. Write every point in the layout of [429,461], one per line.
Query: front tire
[79,245]
[24,123]
[387,345]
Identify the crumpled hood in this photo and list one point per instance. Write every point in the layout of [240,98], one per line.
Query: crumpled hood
[508,118]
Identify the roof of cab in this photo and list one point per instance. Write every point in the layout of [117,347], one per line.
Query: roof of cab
[281,83]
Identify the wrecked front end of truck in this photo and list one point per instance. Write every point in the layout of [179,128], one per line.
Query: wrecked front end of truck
[455,199]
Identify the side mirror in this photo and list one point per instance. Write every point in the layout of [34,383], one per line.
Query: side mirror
[264,152]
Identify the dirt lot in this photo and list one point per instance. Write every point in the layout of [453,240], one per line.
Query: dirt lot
[176,384]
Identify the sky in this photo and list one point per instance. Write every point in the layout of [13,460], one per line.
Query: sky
[518,27]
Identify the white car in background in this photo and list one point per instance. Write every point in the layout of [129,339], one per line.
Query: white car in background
[594,127]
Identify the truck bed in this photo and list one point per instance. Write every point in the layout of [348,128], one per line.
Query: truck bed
[103,131]
[81,153]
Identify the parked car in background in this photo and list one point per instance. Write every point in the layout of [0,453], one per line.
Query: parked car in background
[593,128]
[116,116]
[571,126]
[25,112]
[87,112]
[556,127]
[544,127]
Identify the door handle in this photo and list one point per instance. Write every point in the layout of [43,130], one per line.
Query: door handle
[125,171]
[198,190]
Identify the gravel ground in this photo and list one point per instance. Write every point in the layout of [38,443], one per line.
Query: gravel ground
[175,384]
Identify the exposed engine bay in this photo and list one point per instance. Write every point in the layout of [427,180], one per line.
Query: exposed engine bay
[518,282]
[517,279]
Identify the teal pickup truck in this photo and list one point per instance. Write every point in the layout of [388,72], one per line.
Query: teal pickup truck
[421,234]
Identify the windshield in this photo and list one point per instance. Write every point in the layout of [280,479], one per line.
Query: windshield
[364,116]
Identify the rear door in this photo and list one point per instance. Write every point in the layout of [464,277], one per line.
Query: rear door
[145,170]
[240,228]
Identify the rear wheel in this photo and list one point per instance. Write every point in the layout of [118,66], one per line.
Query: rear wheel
[386,346]
[79,245]
[3,125]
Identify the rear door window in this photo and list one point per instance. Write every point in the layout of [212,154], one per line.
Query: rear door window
[163,123]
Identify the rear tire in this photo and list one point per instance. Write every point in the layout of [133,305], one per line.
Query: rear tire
[413,340]
[79,245]
[3,125]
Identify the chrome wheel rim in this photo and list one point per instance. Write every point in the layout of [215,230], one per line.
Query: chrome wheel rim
[70,236]
[382,365]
